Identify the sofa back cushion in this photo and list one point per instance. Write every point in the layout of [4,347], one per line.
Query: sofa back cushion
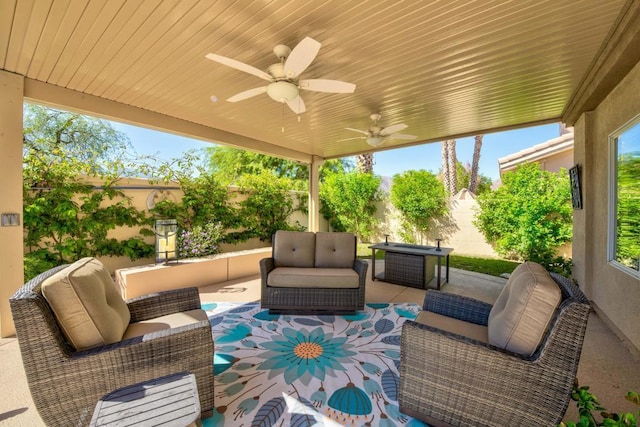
[294,249]
[520,316]
[86,304]
[335,250]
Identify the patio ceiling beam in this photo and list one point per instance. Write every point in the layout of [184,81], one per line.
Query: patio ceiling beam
[619,53]
[55,96]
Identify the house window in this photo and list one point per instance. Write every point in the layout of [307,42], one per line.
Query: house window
[624,209]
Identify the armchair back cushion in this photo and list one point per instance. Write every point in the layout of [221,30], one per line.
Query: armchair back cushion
[520,316]
[335,250]
[294,249]
[86,304]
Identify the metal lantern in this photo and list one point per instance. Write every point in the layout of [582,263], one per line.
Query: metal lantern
[166,231]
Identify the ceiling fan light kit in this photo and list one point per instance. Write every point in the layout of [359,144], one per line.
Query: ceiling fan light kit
[374,141]
[282,91]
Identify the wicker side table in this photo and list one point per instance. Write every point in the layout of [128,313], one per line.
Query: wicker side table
[170,401]
[410,265]
[415,271]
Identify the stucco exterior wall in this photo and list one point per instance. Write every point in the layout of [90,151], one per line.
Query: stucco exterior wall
[556,162]
[615,294]
[457,230]
[11,88]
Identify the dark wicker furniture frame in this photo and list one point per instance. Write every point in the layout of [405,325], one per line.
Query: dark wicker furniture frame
[66,384]
[447,379]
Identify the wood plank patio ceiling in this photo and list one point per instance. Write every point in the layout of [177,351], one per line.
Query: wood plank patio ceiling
[446,68]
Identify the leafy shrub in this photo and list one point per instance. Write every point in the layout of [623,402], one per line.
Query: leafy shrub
[529,216]
[348,202]
[420,197]
[201,240]
[268,205]
[587,403]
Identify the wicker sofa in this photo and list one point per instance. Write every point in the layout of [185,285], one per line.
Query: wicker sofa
[165,333]
[456,371]
[313,272]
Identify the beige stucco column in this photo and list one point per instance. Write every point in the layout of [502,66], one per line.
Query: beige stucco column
[314,193]
[11,263]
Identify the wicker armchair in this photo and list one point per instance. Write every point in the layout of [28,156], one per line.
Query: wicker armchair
[66,383]
[449,379]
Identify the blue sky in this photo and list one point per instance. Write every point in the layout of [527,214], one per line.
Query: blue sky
[387,163]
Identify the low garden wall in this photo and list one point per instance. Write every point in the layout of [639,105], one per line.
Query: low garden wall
[198,272]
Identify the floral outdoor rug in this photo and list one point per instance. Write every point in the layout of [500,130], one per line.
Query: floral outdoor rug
[303,370]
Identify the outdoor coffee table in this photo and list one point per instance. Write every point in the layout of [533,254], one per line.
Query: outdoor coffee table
[409,265]
[170,401]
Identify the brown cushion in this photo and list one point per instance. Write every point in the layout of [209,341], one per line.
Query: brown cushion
[169,321]
[335,250]
[86,304]
[288,277]
[460,327]
[294,248]
[523,310]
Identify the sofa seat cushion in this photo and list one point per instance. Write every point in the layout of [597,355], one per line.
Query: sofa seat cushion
[521,314]
[170,321]
[287,277]
[449,324]
[335,250]
[87,304]
[294,249]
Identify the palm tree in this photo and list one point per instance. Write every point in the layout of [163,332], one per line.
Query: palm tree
[449,173]
[364,162]
[473,179]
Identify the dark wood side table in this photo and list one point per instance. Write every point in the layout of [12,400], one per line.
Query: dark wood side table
[170,401]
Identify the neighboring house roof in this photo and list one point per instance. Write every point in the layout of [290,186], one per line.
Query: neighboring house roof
[539,152]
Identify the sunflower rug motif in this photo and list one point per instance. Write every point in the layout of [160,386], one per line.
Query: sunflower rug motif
[299,370]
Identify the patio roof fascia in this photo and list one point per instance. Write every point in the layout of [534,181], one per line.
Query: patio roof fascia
[617,56]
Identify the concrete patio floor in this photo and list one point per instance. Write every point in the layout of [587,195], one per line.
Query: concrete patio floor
[606,365]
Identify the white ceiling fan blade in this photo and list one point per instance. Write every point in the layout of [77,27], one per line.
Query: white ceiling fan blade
[239,66]
[351,139]
[247,94]
[325,85]
[297,105]
[393,128]
[402,136]
[301,57]
[358,130]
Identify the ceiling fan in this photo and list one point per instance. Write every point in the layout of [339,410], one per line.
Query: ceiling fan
[376,135]
[283,77]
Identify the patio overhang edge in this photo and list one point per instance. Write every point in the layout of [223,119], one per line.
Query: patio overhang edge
[56,96]
[617,56]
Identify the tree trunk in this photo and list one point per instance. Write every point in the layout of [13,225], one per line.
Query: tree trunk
[453,173]
[473,179]
[364,162]
[445,164]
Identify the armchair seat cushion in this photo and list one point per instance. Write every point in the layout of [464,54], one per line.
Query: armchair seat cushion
[291,277]
[170,321]
[449,324]
[86,304]
[521,314]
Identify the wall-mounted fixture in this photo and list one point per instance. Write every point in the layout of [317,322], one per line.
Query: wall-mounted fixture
[166,231]
[10,219]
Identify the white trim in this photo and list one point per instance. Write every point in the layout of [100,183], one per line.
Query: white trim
[612,198]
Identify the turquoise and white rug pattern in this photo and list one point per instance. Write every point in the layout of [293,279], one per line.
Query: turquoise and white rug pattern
[299,370]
